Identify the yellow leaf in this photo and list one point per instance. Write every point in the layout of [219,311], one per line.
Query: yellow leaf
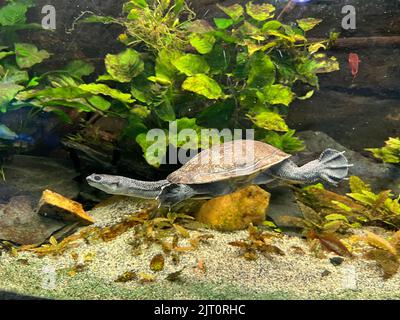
[377,241]
[53,241]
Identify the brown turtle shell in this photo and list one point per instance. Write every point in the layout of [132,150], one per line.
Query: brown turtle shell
[227,161]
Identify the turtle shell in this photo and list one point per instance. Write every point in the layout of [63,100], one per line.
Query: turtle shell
[230,160]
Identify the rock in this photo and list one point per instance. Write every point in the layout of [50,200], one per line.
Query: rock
[235,211]
[20,224]
[325,273]
[58,207]
[336,261]
[381,176]
[32,175]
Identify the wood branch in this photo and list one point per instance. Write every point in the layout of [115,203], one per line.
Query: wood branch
[362,42]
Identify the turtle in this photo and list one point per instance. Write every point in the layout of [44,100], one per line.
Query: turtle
[225,168]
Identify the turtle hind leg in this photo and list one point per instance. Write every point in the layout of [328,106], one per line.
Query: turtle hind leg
[174,194]
[334,166]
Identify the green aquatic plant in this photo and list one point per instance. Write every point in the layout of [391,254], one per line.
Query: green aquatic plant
[237,73]
[157,25]
[390,153]
[16,58]
[362,206]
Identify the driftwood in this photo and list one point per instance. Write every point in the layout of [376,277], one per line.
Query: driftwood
[361,42]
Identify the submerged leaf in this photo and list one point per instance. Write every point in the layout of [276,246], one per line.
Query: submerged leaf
[203,43]
[308,23]
[260,12]
[389,264]
[235,11]
[270,121]
[27,55]
[123,67]
[157,263]
[191,64]
[97,88]
[175,276]
[203,85]
[332,243]
[380,243]
[127,277]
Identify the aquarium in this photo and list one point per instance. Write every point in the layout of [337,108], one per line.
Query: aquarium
[199,150]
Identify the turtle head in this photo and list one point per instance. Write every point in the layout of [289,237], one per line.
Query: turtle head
[104,182]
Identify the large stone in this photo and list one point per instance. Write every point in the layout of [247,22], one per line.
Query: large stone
[28,175]
[235,211]
[380,175]
[20,224]
[56,206]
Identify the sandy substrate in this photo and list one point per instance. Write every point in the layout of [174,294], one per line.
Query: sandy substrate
[295,275]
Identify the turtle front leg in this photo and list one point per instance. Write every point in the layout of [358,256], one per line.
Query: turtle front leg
[174,194]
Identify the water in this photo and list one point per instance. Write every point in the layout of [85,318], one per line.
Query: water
[43,150]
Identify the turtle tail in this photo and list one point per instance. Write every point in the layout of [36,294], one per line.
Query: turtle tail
[333,166]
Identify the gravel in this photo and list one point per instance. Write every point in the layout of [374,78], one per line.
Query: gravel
[225,275]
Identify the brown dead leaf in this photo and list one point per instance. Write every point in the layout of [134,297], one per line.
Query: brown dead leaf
[157,263]
[331,243]
[379,242]
[127,277]
[385,260]
[175,276]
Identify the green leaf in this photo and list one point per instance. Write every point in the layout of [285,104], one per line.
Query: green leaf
[154,151]
[165,110]
[17,76]
[99,103]
[27,55]
[308,95]
[137,3]
[335,216]
[13,14]
[235,11]
[286,142]
[191,64]
[53,93]
[203,85]
[180,141]
[78,104]
[315,47]
[218,115]
[123,67]
[262,71]
[6,133]
[8,92]
[390,153]
[60,113]
[357,185]
[219,59]
[97,88]
[5,54]
[325,64]
[260,12]
[223,23]
[308,23]
[278,94]
[270,121]
[203,43]
[79,68]
[165,70]
[271,25]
